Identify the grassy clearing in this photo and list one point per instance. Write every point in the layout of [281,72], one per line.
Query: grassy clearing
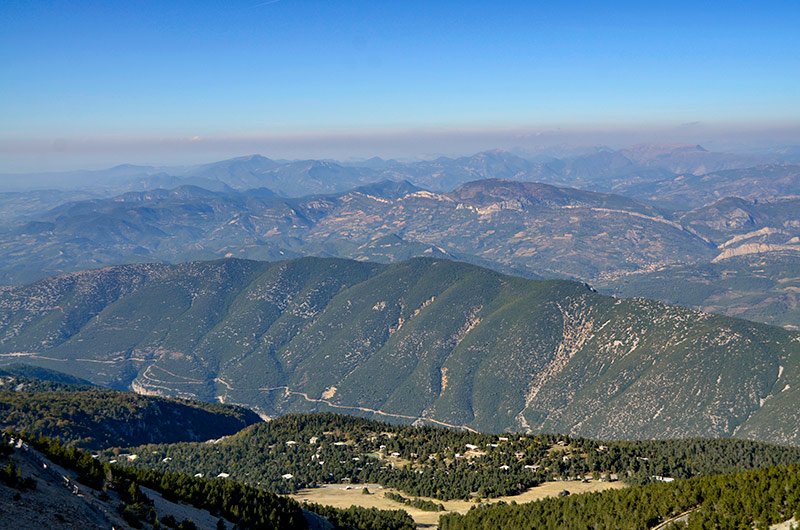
[341,497]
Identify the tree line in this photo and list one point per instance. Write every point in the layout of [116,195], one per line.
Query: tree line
[746,500]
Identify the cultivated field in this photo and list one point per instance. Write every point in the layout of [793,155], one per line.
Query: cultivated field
[341,497]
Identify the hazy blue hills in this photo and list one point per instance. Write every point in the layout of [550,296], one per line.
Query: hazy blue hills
[685,192]
[764,287]
[594,169]
[531,229]
[655,208]
[527,228]
[733,220]
[754,274]
[426,339]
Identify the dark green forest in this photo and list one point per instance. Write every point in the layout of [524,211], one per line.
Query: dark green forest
[438,463]
[719,483]
[95,418]
[752,499]
[249,507]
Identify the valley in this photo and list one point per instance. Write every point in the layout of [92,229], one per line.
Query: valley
[450,299]
[279,265]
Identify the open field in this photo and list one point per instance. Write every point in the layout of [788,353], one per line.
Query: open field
[341,497]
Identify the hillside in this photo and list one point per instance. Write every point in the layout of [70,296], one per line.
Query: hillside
[41,480]
[525,228]
[95,418]
[688,191]
[427,339]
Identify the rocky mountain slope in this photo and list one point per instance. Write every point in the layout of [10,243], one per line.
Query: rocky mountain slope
[423,340]
[692,191]
[528,228]
[531,229]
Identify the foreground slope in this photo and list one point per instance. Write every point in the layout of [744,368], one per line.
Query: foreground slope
[423,339]
[41,481]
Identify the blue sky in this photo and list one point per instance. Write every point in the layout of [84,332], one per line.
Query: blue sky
[86,75]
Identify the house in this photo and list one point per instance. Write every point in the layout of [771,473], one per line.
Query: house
[287,476]
[659,478]
[471,447]
[223,475]
[291,442]
[504,468]
[313,440]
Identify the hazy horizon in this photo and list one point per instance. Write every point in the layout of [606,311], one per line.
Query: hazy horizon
[71,154]
[189,82]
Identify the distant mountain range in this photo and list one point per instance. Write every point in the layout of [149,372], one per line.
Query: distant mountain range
[425,340]
[600,170]
[763,286]
[665,211]
[533,229]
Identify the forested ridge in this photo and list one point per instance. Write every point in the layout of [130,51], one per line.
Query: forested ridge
[426,340]
[442,463]
[95,418]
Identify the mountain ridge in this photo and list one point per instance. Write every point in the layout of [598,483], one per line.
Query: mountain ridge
[425,338]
